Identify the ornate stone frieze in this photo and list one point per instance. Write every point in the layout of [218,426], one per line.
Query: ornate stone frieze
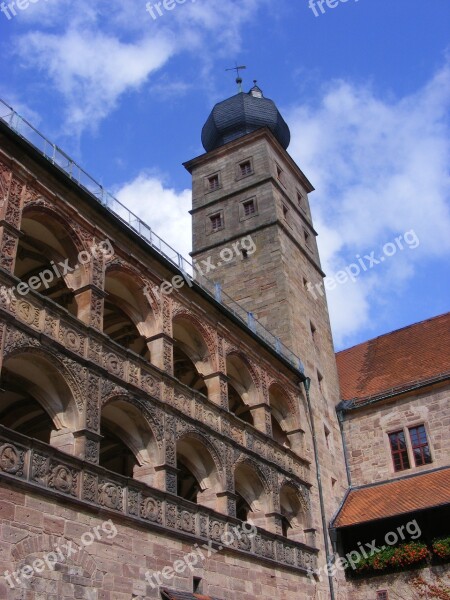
[63,479]
[75,340]
[14,206]
[8,250]
[12,459]
[151,509]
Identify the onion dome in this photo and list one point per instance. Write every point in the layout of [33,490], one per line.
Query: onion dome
[242,114]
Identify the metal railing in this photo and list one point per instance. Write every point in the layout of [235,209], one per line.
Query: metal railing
[60,159]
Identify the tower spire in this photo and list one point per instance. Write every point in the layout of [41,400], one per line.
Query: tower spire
[238,78]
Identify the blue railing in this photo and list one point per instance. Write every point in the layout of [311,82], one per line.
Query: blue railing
[61,160]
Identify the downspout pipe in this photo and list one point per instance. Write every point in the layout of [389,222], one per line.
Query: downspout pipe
[340,416]
[307,386]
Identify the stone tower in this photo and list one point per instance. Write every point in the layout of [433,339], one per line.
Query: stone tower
[248,185]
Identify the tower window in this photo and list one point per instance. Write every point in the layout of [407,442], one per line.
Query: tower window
[382,595]
[216,222]
[301,201]
[213,183]
[420,447]
[249,208]
[285,211]
[399,451]
[280,175]
[307,238]
[327,436]
[246,168]
[320,380]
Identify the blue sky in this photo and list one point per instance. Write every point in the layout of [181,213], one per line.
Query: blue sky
[365,88]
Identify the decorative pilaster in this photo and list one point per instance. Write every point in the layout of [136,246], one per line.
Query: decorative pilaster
[87,445]
[226,503]
[161,352]
[166,477]
[10,219]
[262,418]
[217,384]
[297,440]
[90,305]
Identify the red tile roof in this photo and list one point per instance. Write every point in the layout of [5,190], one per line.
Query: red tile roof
[397,497]
[392,362]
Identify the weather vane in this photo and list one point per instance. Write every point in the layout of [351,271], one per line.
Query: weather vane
[238,78]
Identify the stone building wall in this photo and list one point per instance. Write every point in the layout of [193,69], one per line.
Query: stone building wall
[114,565]
[274,282]
[402,586]
[366,431]
[78,374]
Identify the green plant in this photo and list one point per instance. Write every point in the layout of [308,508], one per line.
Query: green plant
[399,557]
[409,554]
[441,547]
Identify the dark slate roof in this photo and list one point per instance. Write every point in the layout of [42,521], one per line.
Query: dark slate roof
[240,115]
[173,595]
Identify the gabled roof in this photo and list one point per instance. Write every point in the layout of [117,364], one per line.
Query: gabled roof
[396,361]
[174,595]
[392,498]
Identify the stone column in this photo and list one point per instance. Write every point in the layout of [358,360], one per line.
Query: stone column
[264,521]
[9,240]
[161,352]
[165,478]
[90,305]
[309,537]
[262,418]
[87,445]
[209,498]
[226,503]
[145,474]
[88,438]
[274,522]
[297,440]
[217,389]
[11,204]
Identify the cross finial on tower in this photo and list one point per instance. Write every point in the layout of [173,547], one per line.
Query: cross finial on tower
[238,78]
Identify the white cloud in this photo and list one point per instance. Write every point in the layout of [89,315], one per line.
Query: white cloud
[102,51]
[380,168]
[92,70]
[163,209]
[19,106]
